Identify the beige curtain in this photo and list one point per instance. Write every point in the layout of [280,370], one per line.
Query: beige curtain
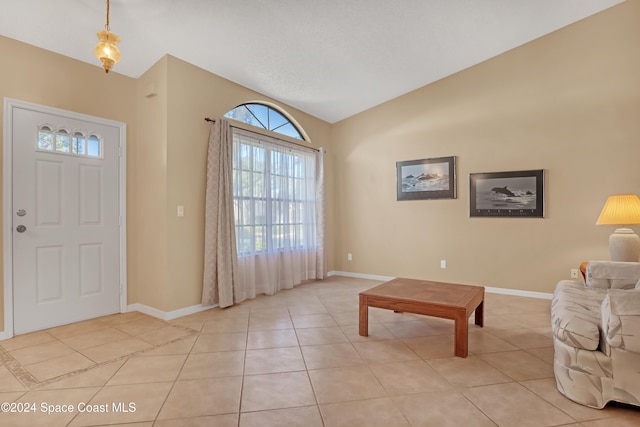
[228,278]
[220,256]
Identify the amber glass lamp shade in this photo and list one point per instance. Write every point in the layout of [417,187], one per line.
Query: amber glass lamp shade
[107,49]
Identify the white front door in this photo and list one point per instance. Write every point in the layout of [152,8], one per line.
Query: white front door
[66,214]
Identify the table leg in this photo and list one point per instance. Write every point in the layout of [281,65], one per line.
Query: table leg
[480,314]
[461,339]
[364,317]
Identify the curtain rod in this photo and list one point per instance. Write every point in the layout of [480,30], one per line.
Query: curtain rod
[207,119]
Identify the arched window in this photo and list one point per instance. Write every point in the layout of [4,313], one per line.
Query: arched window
[265,117]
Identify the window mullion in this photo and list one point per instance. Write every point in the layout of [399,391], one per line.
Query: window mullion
[268,201]
[252,196]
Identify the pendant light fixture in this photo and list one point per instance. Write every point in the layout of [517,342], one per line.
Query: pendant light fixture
[107,48]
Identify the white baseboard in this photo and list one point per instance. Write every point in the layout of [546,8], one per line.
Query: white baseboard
[359,275]
[5,335]
[491,290]
[168,315]
[518,292]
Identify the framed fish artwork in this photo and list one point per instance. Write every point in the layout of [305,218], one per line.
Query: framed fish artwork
[507,194]
[426,179]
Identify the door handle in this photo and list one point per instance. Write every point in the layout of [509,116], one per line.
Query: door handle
[21,229]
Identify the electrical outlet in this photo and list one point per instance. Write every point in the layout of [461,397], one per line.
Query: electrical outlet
[349,257]
[574,273]
[443,263]
[180,211]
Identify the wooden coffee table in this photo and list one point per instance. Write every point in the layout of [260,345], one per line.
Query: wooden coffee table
[445,300]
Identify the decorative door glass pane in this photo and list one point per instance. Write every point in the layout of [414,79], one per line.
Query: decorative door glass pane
[93,146]
[78,143]
[63,141]
[45,138]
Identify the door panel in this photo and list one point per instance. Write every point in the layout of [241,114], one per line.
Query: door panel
[66,259]
[49,274]
[48,192]
[90,268]
[90,195]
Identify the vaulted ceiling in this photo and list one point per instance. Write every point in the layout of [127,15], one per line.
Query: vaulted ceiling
[329,58]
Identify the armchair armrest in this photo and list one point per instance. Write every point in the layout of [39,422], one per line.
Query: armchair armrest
[621,319]
[612,274]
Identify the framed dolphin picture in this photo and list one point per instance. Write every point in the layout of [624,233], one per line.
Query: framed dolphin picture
[426,179]
[507,194]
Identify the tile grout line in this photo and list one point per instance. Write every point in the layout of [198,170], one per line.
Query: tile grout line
[244,366]
[313,390]
[31,382]
[16,369]
[173,384]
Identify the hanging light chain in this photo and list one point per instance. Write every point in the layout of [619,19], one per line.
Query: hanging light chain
[107,24]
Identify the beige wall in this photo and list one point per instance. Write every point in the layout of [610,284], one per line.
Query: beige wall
[170,250]
[45,78]
[166,154]
[149,287]
[567,103]
[194,94]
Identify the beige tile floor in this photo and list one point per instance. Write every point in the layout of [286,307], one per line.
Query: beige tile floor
[294,359]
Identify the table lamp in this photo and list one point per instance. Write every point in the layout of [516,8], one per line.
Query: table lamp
[621,210]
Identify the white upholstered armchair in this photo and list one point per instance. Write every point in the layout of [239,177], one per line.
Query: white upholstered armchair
[596,335]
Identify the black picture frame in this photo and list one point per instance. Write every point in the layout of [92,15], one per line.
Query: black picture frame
[507,194]
[426,179]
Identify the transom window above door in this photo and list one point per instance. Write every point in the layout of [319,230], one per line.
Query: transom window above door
[265,117]
[63,141]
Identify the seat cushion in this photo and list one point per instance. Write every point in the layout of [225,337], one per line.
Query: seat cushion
[575,314]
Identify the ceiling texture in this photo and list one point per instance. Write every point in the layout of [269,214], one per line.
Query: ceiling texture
[329,58]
